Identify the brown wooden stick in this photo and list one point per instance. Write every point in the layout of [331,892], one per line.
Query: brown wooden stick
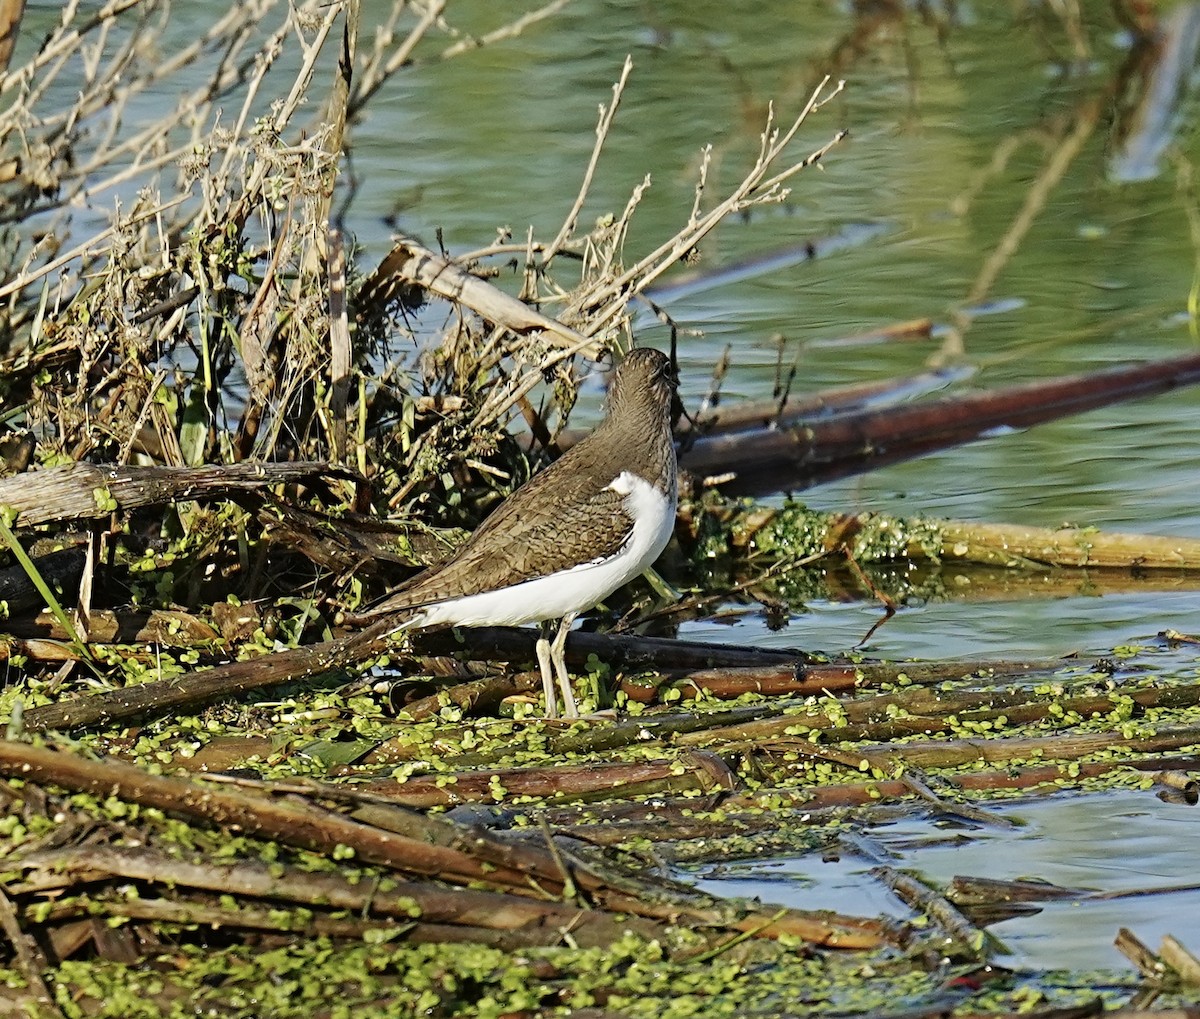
[560,782]
[974,890]
[788,681]
[464,855]
[820,449]
[472,909]
[205,687]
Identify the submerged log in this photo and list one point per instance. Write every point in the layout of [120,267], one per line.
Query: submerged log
[793,533]
[794,453]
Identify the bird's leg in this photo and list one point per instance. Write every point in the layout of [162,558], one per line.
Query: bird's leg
[544,662]
[558,656]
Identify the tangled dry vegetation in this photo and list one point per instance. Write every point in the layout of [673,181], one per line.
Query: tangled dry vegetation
[218,316]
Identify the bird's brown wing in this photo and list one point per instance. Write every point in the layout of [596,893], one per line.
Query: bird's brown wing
[535,540]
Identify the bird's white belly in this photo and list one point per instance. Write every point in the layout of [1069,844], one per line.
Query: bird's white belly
[578,588]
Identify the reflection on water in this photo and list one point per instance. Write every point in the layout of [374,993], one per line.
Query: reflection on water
[1015,629]
[1110,842]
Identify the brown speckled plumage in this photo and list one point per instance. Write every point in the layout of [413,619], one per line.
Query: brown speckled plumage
[567,514]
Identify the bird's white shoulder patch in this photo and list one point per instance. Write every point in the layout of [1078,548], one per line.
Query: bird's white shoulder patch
[653,513]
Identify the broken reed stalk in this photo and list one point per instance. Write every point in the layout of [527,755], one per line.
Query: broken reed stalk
[413,263]
[1013,777]
[961,938]
[301,825]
